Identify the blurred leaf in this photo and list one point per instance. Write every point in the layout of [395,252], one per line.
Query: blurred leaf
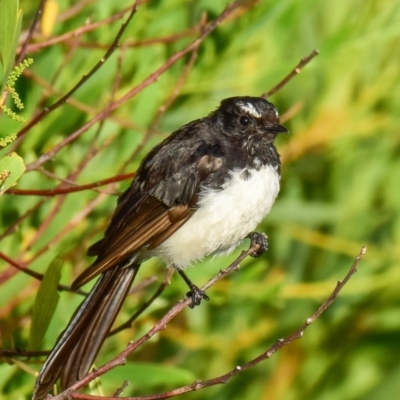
[45,304]
[147,375]
[49,17]
[10,29]
[11,168]
[389,387]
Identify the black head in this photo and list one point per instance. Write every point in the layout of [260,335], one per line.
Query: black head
[244,117]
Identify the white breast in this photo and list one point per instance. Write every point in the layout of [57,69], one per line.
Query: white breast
[224,218]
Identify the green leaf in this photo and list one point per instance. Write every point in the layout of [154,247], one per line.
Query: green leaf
[10,29]
[11,168]
[45,304]
[148,375]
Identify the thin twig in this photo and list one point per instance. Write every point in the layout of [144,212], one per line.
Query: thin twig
[146,42]
[14,226]
[77,219]
[291,112]
[35,47]
[164,284]
[119,391]
[35,274]
[296,70]
[22,353]
[72,189]
[75,9]
[24,48]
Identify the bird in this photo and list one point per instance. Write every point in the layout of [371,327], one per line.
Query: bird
[199,192]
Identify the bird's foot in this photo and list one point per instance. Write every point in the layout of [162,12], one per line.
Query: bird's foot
[260,239]
[196,295]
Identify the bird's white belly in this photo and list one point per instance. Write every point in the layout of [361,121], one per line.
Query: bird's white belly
[223,218]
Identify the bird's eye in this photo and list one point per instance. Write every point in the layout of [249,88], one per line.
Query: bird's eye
[244,120]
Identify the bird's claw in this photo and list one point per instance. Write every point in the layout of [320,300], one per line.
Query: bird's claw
[260,239]
[196,295]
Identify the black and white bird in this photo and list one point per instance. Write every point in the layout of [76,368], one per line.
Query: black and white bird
[199,192]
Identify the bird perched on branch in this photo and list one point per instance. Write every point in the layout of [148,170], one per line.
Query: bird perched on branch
[199,192]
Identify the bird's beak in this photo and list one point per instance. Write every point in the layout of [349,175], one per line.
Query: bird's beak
[277,128]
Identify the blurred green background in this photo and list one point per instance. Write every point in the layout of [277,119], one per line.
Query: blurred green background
[340,190]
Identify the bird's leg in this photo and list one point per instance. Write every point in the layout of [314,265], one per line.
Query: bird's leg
[262,240]
[195,293]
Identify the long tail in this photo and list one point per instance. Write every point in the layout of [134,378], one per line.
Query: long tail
[79,344]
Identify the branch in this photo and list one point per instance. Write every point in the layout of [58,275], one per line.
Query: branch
[72,189]
[22,353]
[146,42]
[32,28]
[35,47]
[128,324]
[34,274]
[120,360]
[295,71]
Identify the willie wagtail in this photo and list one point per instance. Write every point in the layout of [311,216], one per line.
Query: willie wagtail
[199,192]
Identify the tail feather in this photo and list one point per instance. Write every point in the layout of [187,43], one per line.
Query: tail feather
[79,344]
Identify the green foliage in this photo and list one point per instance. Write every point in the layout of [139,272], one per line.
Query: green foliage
[10,89]
[45,304]
[11,168]
[340,190]
[145,376]
[7,140]
[10,28]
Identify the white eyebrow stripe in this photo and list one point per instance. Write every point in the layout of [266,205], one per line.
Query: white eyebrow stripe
[249,108]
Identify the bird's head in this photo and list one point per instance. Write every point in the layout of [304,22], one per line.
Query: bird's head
[242,118]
